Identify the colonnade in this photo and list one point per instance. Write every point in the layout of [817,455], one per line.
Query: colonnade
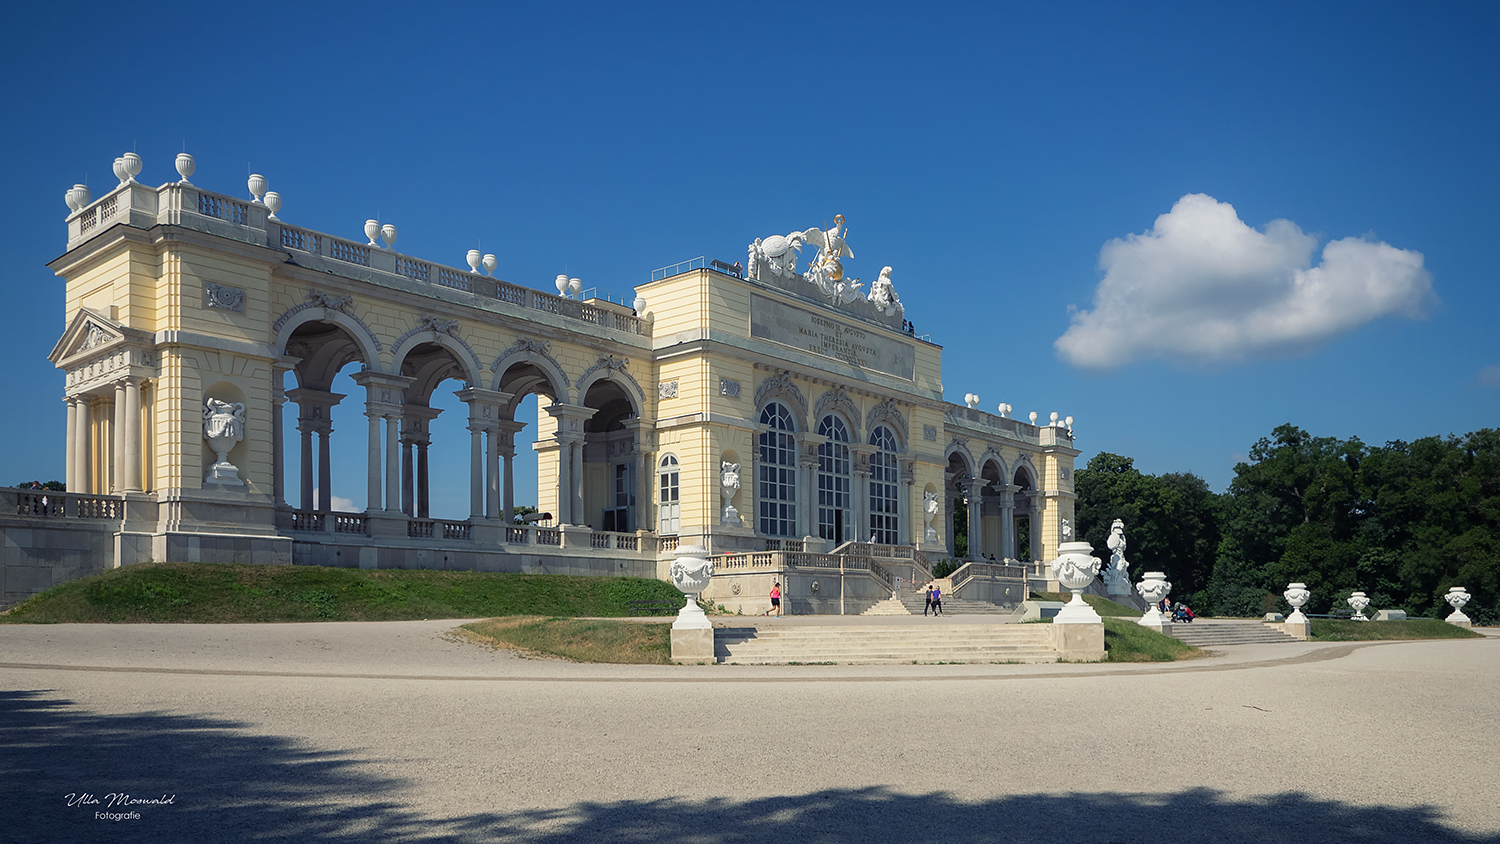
[980,505]
[105,436]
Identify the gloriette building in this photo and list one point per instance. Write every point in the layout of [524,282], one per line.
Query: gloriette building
[784,416]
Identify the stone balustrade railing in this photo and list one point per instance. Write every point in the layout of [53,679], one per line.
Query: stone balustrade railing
[194,208]
[729,563]
[49,504]
[988,571]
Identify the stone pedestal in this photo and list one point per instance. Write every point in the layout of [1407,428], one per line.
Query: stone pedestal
[383,525]
[1297,626]
[1078,641]
[692,635]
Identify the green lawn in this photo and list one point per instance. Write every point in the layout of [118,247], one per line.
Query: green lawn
[223,593]
[1102,606]
[1344,630]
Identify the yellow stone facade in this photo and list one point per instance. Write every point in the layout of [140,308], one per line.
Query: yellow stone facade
[176,296]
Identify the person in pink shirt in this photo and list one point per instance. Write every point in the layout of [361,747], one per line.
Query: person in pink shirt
[775,599]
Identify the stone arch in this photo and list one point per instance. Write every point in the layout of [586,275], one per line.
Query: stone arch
[439,333]
[611,368]
[781,388]
[543,368]
[1025,471]
[886,413]
[960,449]
[837,401]
[322,308]
[991,456]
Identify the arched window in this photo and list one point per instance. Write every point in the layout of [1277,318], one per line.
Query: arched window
[777,473]
[669,508]
[833,480]
[885,479]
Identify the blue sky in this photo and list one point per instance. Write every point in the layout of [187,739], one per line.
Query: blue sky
[1010,161]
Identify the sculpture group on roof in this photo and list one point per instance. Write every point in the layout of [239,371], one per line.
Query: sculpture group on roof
[775,257]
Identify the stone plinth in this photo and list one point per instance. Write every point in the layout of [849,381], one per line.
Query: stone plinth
[1297,629]
[1078,641]
[692,635]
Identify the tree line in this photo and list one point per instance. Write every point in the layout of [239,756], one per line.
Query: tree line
[1401,522]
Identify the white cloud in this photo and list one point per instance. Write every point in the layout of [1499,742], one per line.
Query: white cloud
[1489,376]
[340,504]
[1203,286]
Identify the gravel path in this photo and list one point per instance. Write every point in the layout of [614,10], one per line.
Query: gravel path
[394,732]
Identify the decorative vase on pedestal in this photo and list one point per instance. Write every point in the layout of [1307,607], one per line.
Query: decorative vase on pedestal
[1456,598]
[692,634]
[1297,595]
[1076,568]
[1153,587]
[1358,602]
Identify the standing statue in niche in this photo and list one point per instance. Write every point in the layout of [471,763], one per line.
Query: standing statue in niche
[1117,576]
[223,427]
[1066,531]
[929,509]
[729,484]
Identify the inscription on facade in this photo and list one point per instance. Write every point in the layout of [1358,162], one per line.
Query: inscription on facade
[831,338]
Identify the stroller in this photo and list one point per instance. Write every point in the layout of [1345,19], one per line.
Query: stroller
[1183,613]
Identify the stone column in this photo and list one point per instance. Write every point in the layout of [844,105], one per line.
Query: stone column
[476,472]
[392,462]
[325,467]
[423,489]
[307,466]
[975,490]
[86,451]
[373,497]
[132,478]
[1007,522]
[118,457]
[949,502]
[408,471]
[578,512]
[508,504]
[70,473]
[278,428]
[904,525]
[492,476]
[859,456]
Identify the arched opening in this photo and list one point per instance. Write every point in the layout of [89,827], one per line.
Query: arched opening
[776,481]
[885,485]
[991,511]
[1028,539]
[532,388]
[610,458]
[315,389]
[434,437]
[956,505]
[834,480]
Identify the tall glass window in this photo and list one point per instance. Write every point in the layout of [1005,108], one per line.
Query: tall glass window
[885,480]
[669,506]
[777,472]
[833,480]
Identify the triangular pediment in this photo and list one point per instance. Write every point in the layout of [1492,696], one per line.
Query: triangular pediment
[92,333]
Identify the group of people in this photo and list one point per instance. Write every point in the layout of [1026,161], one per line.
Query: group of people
[1179,613]
[934,600]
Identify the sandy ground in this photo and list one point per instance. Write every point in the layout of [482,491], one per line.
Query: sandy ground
[395,732]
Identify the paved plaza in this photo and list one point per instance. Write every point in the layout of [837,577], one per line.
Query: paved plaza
[391,732]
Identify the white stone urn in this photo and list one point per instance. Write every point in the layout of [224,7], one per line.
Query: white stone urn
[562,285]
[132,164]
[729,484]
[490,262]
[1153,587]
[78,197]
[691,573]
[388,234]
[372,231]
[1297,595]
[1358,602]
[273,204]
[1076,568]
[185,167]
[474,256]
[223,427]
[1456,598]
[257,185]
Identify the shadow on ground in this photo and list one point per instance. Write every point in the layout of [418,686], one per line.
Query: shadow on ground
[232,785]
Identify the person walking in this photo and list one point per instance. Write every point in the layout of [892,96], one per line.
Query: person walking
[927,605]
[937,600]
[775,599]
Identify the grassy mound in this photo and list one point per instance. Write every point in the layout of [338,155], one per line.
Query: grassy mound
[222,593]
[1344,630]
[579,639]
[1102,606]
[1126,641]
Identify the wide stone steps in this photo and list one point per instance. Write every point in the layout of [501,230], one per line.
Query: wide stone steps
[915,601]
[1208,634]
[889,645]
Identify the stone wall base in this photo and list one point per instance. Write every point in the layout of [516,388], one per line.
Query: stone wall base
[1078,642]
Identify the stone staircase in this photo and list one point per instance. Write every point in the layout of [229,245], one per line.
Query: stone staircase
[884,645]
[911,603]
[1208,634]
